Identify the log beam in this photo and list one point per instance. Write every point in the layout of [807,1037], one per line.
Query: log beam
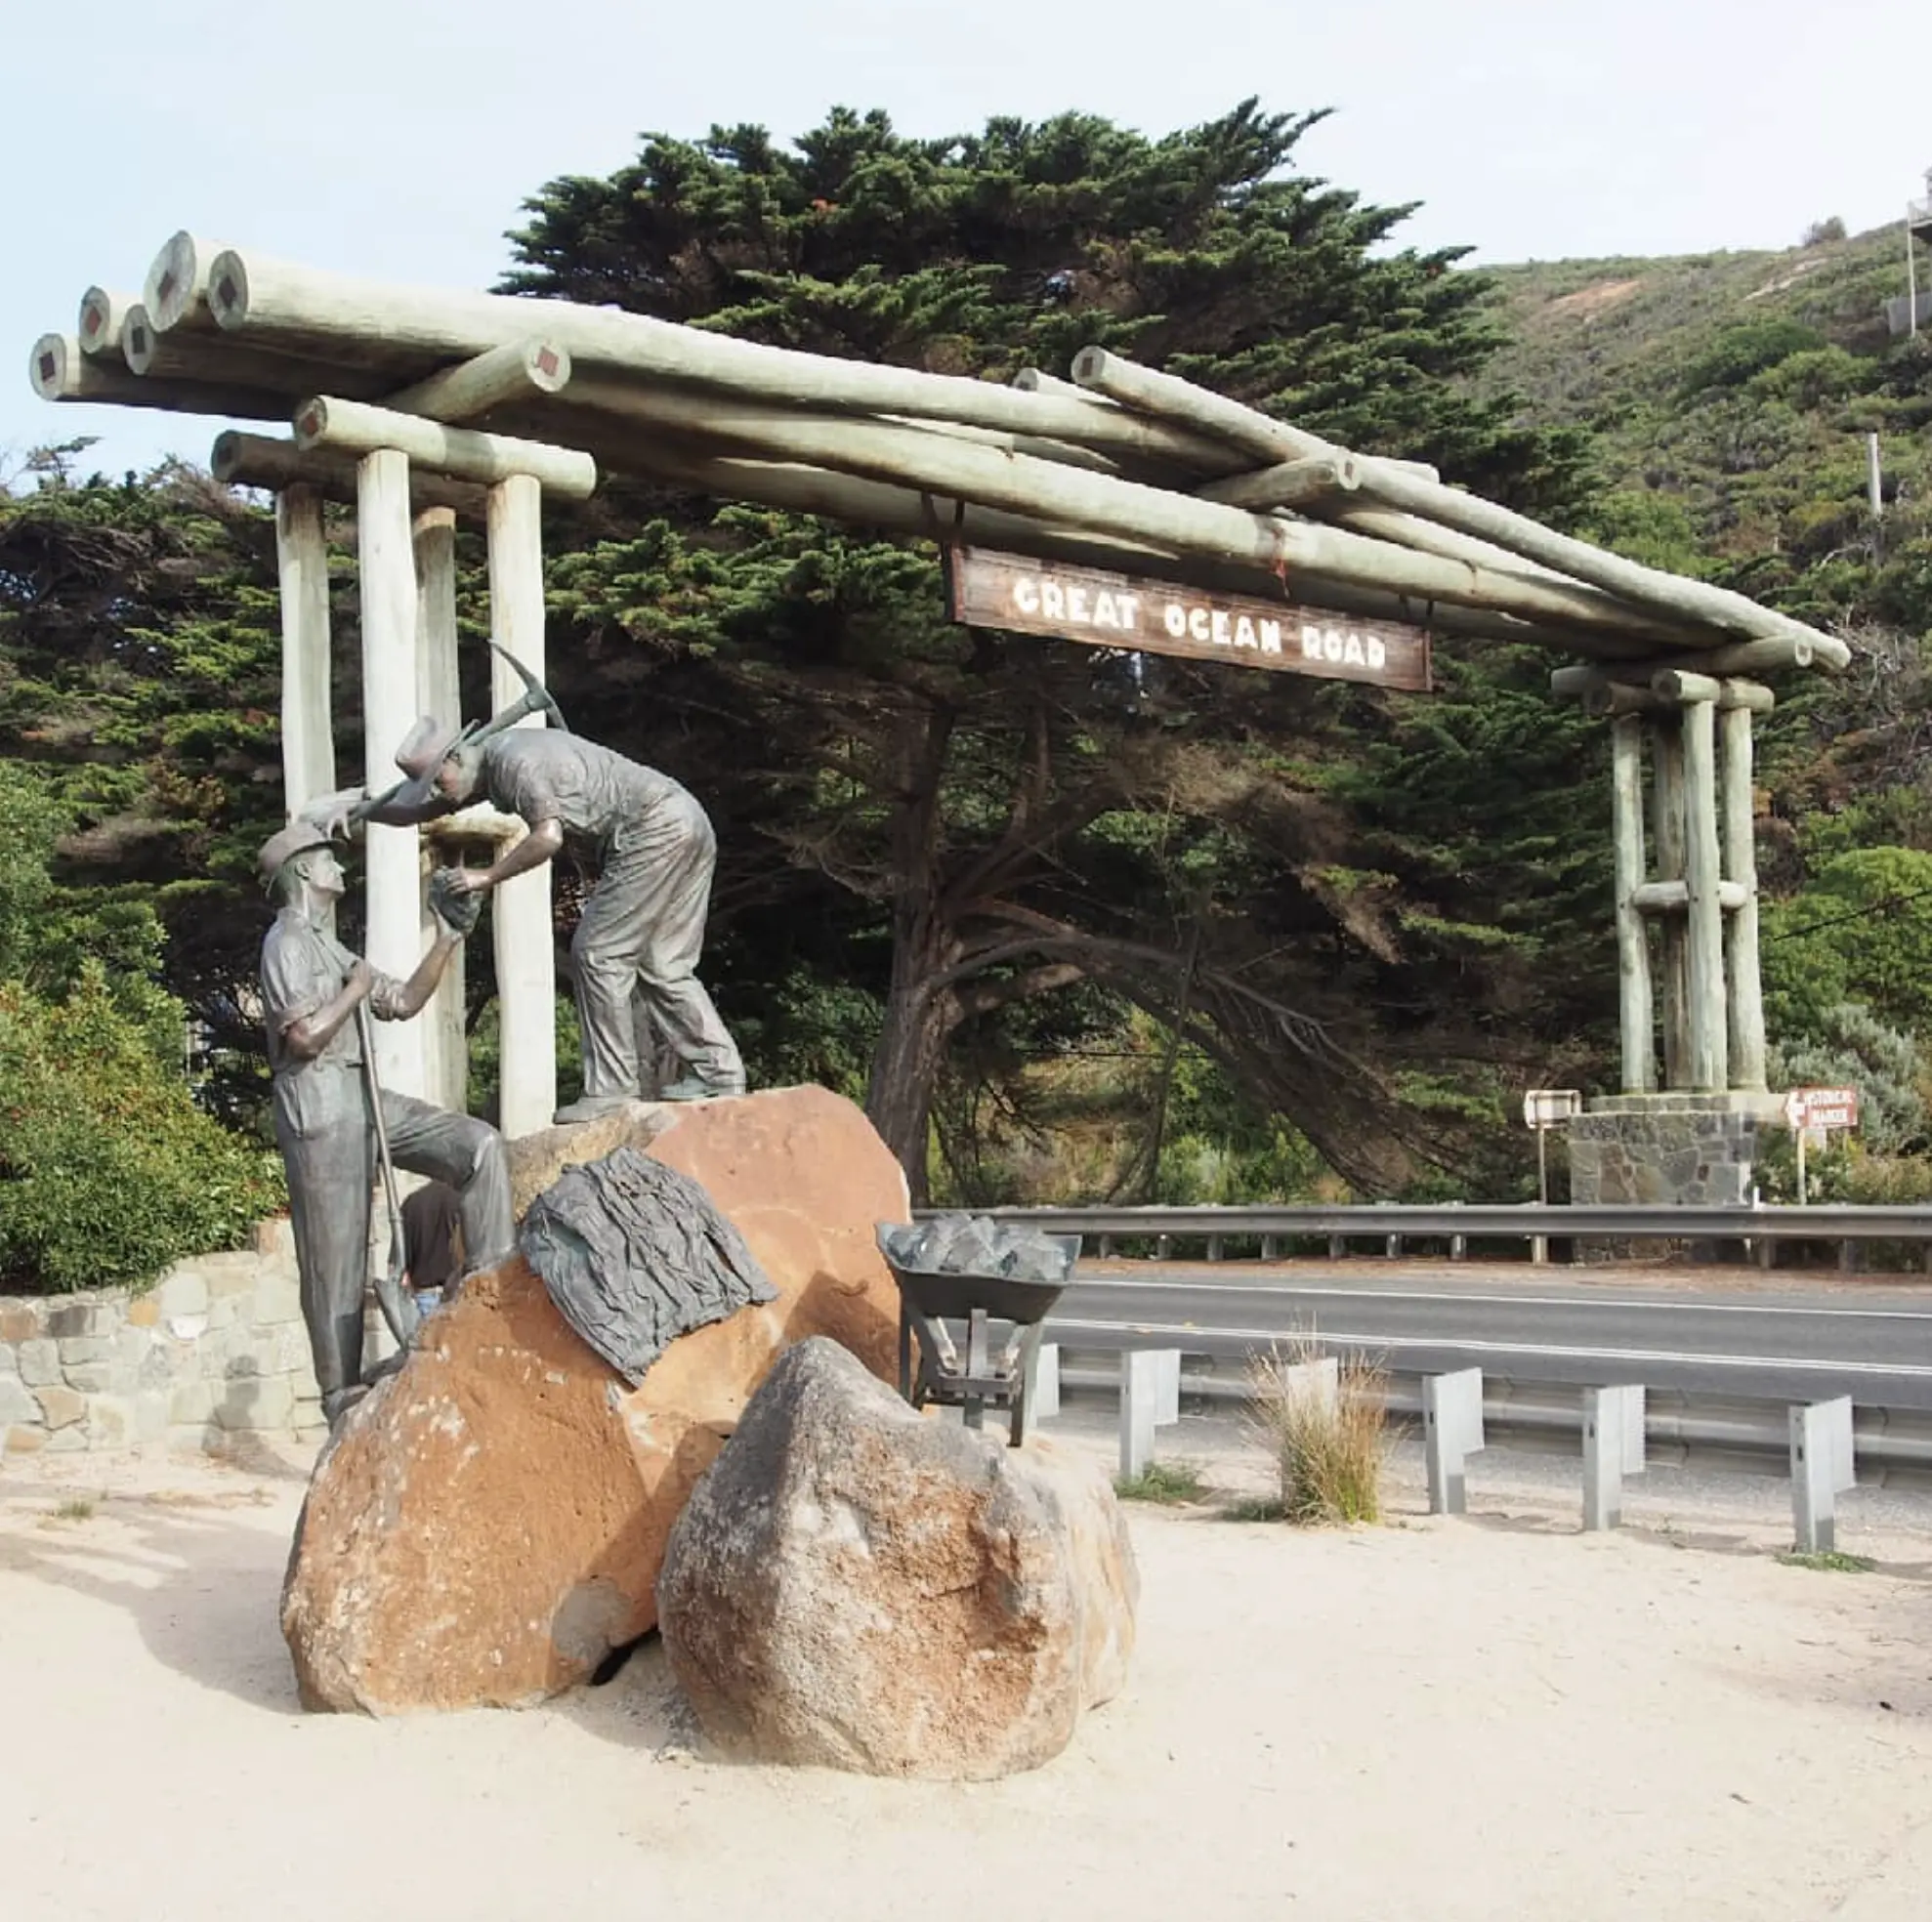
[259,460]
[1674,897]
[1288,483]
[59,371]
[1632,688]
[327,315]
[515,371]
[460,451]
[1634,1005]
[156,356]
[855,499]
[1666,597]
[1016,483]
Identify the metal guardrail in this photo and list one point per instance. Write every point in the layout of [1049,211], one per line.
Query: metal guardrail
[1485,1222]
[1682,1427]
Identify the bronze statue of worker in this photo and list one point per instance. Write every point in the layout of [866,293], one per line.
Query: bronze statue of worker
[633,958]
[311,987]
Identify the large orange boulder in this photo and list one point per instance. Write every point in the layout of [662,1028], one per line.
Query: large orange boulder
[489,1523]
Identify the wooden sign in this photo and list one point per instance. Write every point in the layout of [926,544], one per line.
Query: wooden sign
[1821,1107]
[1158,617]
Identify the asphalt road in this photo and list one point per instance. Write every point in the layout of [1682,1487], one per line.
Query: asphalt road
[1779,1345]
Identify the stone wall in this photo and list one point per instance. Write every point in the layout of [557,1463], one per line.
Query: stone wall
[214,1355]
[1666,1150]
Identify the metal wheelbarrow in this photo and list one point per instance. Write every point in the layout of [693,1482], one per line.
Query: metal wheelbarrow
[929,1300]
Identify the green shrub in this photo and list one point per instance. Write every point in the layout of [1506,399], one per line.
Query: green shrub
[109,1172]
[1747,349]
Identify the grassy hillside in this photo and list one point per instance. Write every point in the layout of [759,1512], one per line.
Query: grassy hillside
[1732,394]
[1730,397]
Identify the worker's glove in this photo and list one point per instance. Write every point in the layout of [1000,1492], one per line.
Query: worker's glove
[452,904]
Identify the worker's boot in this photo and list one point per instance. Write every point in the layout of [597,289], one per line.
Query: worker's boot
[590,1107]
[702,1087]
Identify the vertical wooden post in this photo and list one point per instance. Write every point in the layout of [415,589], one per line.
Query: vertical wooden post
[392,883]
[302,563]
[1705,921]
[1633,952]
[526,949]
[1668,831]
[1741,959]
[445,1046]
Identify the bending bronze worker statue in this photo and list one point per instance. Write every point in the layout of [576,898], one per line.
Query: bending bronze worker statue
[633,958]
[311,987]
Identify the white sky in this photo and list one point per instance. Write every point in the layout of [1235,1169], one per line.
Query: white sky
[396,137]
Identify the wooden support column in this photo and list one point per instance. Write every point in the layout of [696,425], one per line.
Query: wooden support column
[1667,833]
[1703,937]
[1633,954]
[1741,960]
[526,948]
[445,1046]
[302,563]
[393,883]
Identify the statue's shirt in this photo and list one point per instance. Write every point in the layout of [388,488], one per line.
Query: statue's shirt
[303,970]
[591,792]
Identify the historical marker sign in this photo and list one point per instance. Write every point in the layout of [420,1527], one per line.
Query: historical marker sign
[1821,1107]
[1160,617]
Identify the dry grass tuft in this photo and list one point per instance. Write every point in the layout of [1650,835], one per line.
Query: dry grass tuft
[1329,1442]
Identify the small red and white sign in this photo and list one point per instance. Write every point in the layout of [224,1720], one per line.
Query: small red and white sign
[1821,1107]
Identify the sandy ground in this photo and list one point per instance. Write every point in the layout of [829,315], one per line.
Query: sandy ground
[1488,1718]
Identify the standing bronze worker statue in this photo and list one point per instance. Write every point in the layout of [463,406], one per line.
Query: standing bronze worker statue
[633,958]
[329,1111]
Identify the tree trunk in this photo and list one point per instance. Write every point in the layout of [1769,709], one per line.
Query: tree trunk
[920,1016]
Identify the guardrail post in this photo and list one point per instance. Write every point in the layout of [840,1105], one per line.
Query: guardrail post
[1163,1246]
[1140,1395]
[1270,1248]
[1822,1465]
[1612,1448]
[1392,1247]
[1335,1247]
[1214,1247]
[1451,1431]
[1043,1387]
[1106,1247]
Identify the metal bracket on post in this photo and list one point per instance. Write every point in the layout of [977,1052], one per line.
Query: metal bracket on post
[1167,1365]
[1451,1431]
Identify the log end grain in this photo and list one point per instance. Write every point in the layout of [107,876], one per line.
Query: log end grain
[172,290]
[48,365]
[102,313]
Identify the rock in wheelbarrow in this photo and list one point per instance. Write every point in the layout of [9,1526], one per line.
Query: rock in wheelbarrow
[856,1586]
